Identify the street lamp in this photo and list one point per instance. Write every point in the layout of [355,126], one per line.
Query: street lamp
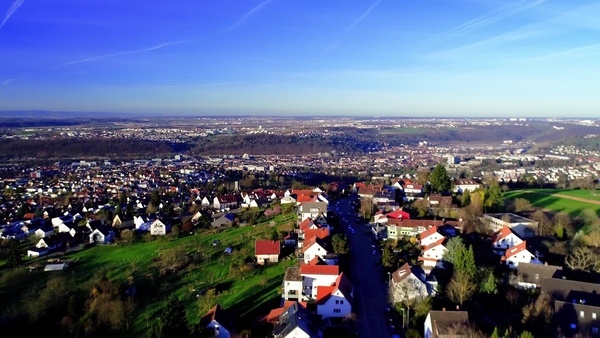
[389,277]
[403,316]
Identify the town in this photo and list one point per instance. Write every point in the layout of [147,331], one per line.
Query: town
[426,239]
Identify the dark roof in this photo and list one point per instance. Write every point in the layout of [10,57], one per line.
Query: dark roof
[567,290]
[534,273]
[296,316]
[229,216]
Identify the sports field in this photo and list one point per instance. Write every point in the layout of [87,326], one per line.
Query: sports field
[571,202]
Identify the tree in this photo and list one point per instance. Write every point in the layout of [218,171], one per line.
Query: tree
[495,334]
[526,334]
[522,204]
[454,246]
[582,258]
[151,209]
[439,179]
[493,198]
[561,222]
[174,318]
[14,254]
[465,198]
[488,285]
[538,313]
[588,216]
[544,227]
[422,207]
[388,257]
[460,288]
[340,244]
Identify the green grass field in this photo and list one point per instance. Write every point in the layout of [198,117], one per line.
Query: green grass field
[542,198]
[246,296]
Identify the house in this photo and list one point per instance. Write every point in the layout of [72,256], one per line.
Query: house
[408,283]
[432,254]
[205,202]
[430,236]
[529,276]
[314,276]
[441,324]
[413,188]
[225,202]
[36,252]
[290,239]
[398,214]
[275,314]
[311,210]
[504,239]
[314,247]
[44,231]
[523,227]
[216,319]
[297,322]
[519,254]
[576,306]
[287,200]
[159,228]
[335,300]
[267,251]
[102,235]
[223,221]
[292,284]
[49,243]
[462,185]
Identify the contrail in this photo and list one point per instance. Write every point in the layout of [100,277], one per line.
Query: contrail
[13,8]
[249,13]
[481,21]
[121,53]
[362,17]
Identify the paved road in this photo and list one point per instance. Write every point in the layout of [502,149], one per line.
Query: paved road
[370,292]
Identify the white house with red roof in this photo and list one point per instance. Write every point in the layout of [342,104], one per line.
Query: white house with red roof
[433,253]
[430,236]
[519,254]
[380,218]
[413,188]
[267,251]
[503,239]
[314,276]
[335,300]
[314,247]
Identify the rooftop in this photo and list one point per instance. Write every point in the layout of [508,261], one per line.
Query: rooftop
[292,274]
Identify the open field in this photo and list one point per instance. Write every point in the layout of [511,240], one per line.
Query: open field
[547,199]
[586,194]
[246,294]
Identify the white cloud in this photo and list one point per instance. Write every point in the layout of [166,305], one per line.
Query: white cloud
[249,14]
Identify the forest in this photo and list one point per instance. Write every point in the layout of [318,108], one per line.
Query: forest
[15,148]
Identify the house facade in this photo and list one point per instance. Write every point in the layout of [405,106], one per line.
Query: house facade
[335,301]
[519,254]
[314,276]
[267,251]
[406,285]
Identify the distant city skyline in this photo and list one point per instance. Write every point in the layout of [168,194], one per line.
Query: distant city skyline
[448,58]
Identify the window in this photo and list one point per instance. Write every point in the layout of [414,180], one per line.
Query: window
[337,301]
[594,315]
[537,276]
[337,311]
[595,330]
[341,302]
[573,326]
[581,314]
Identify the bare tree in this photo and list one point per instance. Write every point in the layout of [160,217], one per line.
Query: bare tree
[460,288]
[522,204]
[582,258]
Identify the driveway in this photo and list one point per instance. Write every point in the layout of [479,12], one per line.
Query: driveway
[370,292]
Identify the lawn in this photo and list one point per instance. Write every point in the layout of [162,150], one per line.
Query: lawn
[587,194]
[247,295]
[551,202]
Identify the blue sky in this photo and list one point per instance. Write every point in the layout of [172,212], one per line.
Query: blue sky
[313,57]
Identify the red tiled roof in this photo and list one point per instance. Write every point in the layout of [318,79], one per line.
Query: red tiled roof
[321,233]
[434,244]
[306,224]
[501,234]
[399,214]
[264,247]
[341,283]
[273,316]
[311,241]
[317,261]
[515,250]
[430,231]
[306,269]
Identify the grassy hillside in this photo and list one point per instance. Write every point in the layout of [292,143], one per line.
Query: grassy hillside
[210,276]
[550,199]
